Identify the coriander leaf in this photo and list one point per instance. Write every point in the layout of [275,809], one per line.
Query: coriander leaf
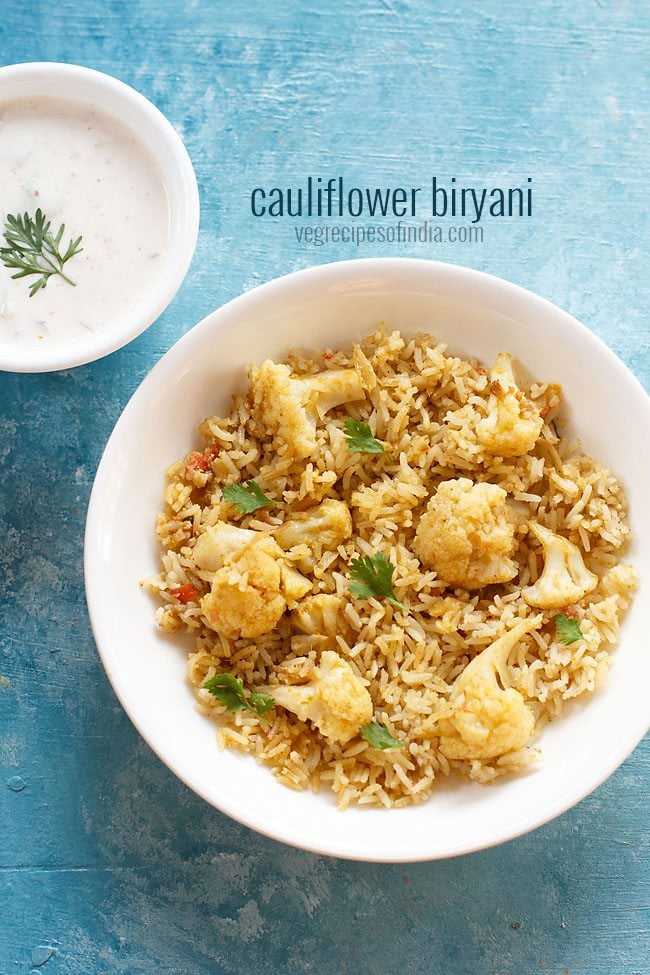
[567,629]
[30,248]
[261,703]
[378,736]
[247,498]
[372,575]
[360,439]
[228,691]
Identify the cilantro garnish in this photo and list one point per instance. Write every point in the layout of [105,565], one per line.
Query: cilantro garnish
[372,575]
[247,497]
[360,439]
[261,703]
[567,629]
[230,692]
[378,736]
[32,249]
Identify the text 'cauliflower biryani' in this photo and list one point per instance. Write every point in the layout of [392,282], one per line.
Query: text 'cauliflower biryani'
[393,568]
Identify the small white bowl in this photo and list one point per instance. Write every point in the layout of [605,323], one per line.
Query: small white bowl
[84,85]
[327,306]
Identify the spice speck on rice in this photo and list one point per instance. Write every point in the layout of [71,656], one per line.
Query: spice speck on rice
[393,566]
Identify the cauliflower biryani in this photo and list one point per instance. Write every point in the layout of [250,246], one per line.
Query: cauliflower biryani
[393,567]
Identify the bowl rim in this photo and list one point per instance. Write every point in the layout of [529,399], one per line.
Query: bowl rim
[183,201]
[250,817]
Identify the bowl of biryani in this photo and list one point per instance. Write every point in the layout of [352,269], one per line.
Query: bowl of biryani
[364,557]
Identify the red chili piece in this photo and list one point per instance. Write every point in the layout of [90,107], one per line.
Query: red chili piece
[186,593]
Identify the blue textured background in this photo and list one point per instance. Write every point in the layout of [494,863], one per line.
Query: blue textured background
[109,865]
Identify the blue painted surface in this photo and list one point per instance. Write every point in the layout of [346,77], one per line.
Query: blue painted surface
[108,864]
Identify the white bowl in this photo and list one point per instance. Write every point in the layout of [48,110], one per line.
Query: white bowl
[324,306]
[84,85]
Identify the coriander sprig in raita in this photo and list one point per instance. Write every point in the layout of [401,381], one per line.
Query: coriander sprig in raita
[31,248]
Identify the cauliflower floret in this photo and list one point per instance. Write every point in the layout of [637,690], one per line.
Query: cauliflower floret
[466,534]
[290,407]
[318,622]
[329,523]
[487,721]
[335,699]
[513,423]
[326,525]
[318,614]
[294,585]
[249,570]
[246,597]
[217,541]
[565,578]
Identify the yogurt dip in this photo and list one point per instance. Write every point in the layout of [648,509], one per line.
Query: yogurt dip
[84,169]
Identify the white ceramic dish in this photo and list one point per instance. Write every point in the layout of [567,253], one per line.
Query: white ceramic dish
[326,306]
[71,82]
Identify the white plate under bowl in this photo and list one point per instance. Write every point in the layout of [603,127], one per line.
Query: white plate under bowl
[327,306]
